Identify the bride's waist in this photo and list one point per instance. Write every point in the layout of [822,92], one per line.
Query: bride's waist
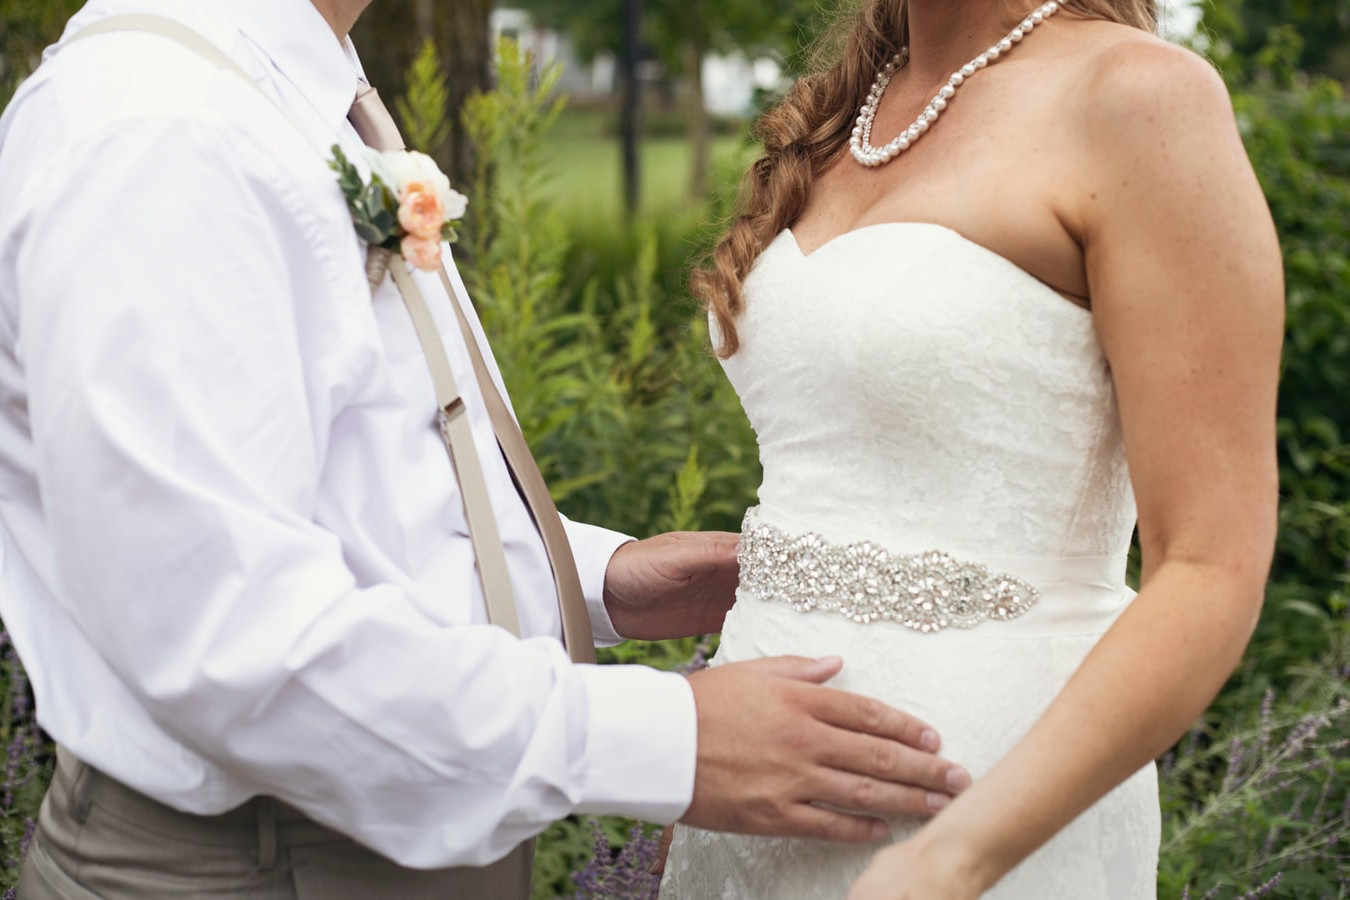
[930,590]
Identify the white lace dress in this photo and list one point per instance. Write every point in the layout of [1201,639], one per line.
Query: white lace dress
[913,391]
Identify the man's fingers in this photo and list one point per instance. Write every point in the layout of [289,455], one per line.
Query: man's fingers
[863,794]
[890,761]
[870,716]
[779,753]
[722,545]
[807,821]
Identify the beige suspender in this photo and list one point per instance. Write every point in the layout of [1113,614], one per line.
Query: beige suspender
[576,620]
[489,555]
[488,551]
[372,120]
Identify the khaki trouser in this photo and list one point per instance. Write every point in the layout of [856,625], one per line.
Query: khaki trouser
[99,840]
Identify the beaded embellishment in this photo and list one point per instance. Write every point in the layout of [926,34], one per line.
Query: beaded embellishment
[926,591]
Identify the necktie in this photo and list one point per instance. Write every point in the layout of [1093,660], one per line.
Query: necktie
[372,121]
[376,126]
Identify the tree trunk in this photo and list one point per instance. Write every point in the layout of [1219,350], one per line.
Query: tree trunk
[697,116]
[628,114]
[386,44]
[389,35]
[424,15]
[464,40]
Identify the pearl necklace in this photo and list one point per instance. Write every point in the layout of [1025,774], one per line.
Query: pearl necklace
[860,144]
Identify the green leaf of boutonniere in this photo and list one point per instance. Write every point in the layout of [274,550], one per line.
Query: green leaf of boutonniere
[386,222]
[369,233]
[349,179]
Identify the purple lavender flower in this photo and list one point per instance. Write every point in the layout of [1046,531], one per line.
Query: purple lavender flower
[627,876]
[700,658]
[25,749]
[1264,890]
[1267,723]
[1236,757]
[1167,764]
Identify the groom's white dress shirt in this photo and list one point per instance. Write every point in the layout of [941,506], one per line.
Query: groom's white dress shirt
[234,556]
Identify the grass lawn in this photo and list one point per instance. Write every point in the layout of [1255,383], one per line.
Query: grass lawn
[583,157]
[587,180]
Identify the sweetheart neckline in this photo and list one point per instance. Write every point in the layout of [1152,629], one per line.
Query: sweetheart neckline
[941,229]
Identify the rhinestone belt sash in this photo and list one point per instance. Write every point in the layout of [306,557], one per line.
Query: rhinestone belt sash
[926,591]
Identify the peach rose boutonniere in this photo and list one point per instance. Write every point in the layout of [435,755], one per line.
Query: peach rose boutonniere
[407,207]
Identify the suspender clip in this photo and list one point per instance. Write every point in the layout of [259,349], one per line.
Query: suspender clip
[445,416]
[454,408]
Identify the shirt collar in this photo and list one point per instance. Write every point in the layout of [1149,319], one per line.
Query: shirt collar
[300,44]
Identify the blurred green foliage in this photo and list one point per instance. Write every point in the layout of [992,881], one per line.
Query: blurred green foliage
[26,27]
[612,378]
[1241,31]
[1297,132]
[1265,798]
[1254,797]
[669,26]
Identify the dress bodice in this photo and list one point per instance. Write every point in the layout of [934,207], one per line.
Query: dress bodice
[912,387]
[913,391]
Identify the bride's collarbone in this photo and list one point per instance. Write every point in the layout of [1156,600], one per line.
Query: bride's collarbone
[996,173]
[1017,224]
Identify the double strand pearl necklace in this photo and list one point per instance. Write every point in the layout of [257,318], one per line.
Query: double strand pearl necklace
[860,144]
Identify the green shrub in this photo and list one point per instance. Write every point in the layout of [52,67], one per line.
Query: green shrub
[1298,135]
[26,27]
[612,379]
[1265,802]
[28,765]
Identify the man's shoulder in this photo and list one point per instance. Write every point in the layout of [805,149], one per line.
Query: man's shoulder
[109,118]
[142,92]
[88,85]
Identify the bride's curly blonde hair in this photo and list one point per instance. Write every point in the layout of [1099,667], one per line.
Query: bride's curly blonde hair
[808,129]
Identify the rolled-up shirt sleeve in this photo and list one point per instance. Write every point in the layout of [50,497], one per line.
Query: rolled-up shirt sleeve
[179,422]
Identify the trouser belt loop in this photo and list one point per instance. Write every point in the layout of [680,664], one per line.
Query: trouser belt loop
[267,832]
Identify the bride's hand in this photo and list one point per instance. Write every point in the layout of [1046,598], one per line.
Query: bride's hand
[917,870]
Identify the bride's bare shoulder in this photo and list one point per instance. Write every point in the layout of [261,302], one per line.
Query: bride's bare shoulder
[1134,108]
[1124,78]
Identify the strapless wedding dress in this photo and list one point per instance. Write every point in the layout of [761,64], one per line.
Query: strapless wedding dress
[946,506]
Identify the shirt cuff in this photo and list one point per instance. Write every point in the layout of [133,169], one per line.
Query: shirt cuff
[592,548]
[641,743]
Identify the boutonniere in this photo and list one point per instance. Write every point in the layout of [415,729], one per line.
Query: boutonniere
[407,207]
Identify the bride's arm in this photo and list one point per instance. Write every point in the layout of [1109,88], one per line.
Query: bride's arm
[1187,297]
